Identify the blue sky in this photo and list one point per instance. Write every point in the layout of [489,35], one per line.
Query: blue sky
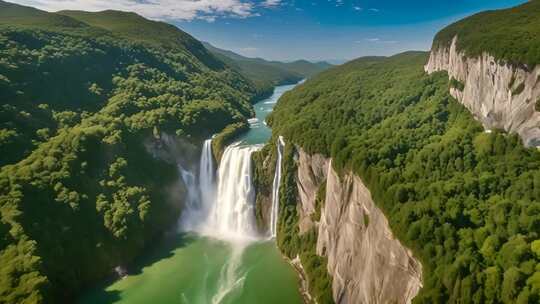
[322,30]
[293,29]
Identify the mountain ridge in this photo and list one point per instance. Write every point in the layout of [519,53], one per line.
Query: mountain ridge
[267,74]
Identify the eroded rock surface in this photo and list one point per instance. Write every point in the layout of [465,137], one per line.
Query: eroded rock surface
[367,263]
[500,96]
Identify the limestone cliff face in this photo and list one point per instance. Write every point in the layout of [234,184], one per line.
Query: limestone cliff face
[367,263]
[499,95]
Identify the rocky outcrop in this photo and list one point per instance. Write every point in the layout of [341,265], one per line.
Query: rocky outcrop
[182,154]
[500,96]
[312,171]
[367,263]
[173,149]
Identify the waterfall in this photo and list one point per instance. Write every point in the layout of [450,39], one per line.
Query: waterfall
[201,195]
[275,188]
[226,214]
[232,215]
[206,176]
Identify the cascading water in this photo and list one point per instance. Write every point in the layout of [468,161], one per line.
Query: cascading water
[227,213]
[201,196]
[230,212]
[232,215]
[275,188]
[206,176]
[222,260]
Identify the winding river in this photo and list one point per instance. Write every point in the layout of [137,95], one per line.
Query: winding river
[218,258]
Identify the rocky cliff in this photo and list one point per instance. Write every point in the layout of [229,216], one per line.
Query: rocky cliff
[500,96]
[367,264]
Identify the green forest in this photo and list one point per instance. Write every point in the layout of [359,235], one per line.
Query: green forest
[79,94]
[466,201]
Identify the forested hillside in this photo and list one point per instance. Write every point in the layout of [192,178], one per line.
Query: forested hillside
[268,74]
[79,93]
[467,202]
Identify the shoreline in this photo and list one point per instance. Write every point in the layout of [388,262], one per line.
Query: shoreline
[296,263]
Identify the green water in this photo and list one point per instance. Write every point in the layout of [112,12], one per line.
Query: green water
[259,132]
[187,269]
[191,269]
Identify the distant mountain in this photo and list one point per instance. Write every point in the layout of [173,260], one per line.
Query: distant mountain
[267,74]
[303,67]
[336,61]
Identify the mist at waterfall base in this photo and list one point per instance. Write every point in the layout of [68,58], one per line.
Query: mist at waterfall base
[218,257]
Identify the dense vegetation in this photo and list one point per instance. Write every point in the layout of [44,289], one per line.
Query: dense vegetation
[79,94]
[510,35]
[465,201]
[268,74]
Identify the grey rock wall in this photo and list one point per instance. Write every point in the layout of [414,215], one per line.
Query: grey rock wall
[367,263]
[492,91]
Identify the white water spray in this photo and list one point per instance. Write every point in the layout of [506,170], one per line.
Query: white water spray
[232,278]
[274,212]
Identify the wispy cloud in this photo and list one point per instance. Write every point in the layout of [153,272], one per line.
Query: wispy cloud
[375,10]
[271,3]
[161,9]
[376,40]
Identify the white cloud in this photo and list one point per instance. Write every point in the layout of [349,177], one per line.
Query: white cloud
[159,9]
[375,10]
[376,40]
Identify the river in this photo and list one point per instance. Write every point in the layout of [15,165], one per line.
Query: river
[221,260]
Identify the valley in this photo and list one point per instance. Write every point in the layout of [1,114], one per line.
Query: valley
[231,261]
[139,164]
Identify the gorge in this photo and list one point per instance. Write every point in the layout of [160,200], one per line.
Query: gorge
[141,165]
[217,235]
